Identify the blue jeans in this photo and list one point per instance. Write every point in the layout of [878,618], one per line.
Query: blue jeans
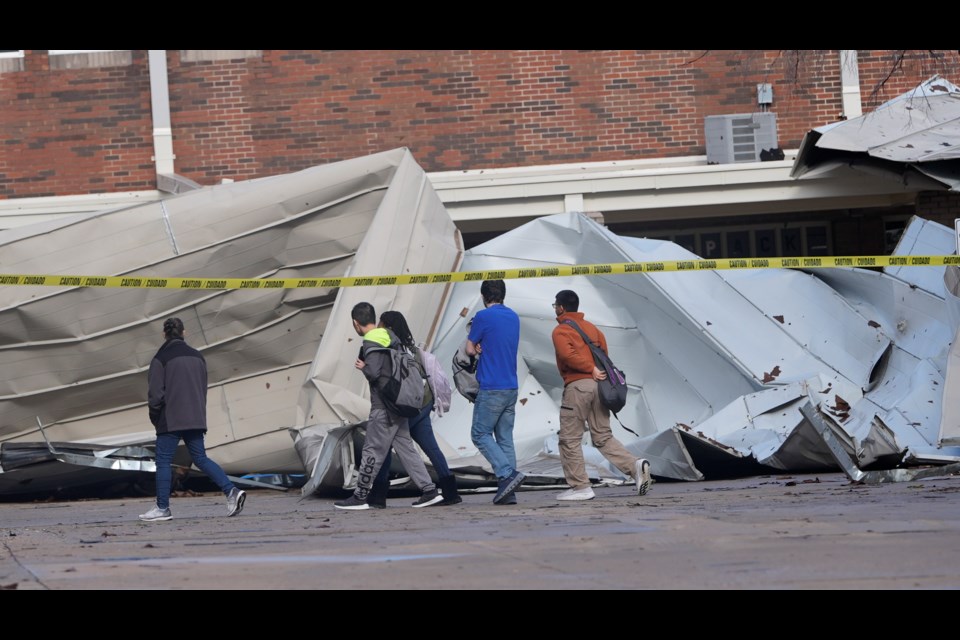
[492,430]
[421,430]
[167,446]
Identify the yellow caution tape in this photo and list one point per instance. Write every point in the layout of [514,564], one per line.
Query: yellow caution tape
[153,282]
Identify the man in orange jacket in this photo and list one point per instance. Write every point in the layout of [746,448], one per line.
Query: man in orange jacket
[581,404]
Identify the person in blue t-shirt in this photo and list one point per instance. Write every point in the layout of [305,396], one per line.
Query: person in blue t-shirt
[495,337]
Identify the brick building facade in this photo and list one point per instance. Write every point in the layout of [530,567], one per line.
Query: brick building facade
[82,123]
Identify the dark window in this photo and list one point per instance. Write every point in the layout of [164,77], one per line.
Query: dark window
[710,246]
[892,230]
[817,241]
[687,241]
[738,244]
[790,239]
[766,240]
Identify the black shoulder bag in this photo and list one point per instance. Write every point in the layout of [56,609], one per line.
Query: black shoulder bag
[613,389]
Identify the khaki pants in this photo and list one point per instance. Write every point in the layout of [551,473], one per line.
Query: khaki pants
[581,405]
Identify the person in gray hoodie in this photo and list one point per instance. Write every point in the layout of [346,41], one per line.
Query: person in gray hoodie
[421,427]
[177,401]
[384,428]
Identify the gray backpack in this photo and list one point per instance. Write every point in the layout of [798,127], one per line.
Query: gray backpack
[403,390]
[465,373]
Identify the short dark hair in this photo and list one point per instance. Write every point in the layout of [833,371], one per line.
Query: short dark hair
[567,299]
[173,328]
[364,314]
[493,291]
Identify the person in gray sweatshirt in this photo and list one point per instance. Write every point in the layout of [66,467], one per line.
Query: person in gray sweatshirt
[384,428]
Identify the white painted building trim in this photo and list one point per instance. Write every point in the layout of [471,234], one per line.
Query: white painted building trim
[644,190]
[163,155]
[850,84]
[19,212]
[649,190]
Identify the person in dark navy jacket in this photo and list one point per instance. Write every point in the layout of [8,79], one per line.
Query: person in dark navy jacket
[177,401]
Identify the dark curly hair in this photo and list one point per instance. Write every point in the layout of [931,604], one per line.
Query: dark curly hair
[173,328]
[395,321]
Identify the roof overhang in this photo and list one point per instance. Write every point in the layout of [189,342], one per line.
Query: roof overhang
[913,140]
[684,188]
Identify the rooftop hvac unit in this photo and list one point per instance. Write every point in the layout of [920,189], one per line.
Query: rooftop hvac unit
[741,137]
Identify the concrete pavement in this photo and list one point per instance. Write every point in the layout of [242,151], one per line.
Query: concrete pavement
[766,532]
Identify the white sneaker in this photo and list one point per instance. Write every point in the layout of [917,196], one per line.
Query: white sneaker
[235,501]
[641,473]
[156,514]
[576,494]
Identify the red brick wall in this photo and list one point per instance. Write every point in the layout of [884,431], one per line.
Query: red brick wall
[213,108]
[87,130]
[901,71]
[480,109]
[939,206]
[75,131]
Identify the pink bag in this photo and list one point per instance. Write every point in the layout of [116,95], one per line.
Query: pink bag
[438,381]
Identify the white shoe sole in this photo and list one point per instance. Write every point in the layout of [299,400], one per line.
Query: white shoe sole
[240,500]
[576,498]
[644,480]
[435,500]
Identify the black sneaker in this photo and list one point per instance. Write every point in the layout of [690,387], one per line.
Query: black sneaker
[510,498]
[353,503]
[508,485]
[428,498]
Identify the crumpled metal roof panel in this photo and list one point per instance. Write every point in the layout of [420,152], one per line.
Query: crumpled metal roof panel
[917,132]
